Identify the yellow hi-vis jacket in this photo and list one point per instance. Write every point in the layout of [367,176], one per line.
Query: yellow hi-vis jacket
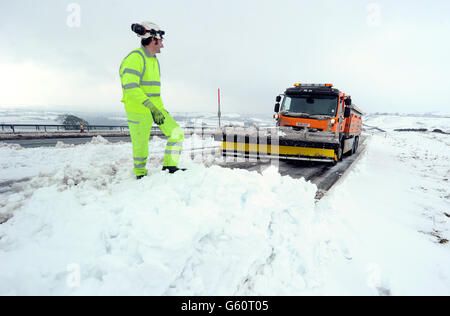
[141,85]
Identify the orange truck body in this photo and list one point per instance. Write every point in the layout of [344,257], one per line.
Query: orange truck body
[351,125]
[345,121]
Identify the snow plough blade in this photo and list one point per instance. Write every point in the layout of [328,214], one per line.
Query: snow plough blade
[283,143]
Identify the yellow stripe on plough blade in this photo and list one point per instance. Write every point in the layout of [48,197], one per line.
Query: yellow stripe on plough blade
[297,152]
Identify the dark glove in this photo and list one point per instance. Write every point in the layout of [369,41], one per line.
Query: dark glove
[158,117]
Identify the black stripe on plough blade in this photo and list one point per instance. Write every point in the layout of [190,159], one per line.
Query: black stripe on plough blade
[231,153]
[278,142]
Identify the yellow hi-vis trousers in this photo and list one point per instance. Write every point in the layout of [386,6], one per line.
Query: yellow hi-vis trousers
[140,126]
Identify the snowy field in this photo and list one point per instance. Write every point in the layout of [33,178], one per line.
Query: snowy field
[81,224]
[23,116]
[389,123]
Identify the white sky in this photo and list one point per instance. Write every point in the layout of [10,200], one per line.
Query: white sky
[391,56]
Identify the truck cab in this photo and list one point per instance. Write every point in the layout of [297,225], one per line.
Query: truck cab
[320,107]
[316,107]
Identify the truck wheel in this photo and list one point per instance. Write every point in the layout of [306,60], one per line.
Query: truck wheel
[351,151]
[355,145]
[338,152]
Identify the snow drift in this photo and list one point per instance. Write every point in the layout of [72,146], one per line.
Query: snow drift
[81,223]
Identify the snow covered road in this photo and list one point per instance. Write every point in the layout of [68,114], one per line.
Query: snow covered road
[83,225]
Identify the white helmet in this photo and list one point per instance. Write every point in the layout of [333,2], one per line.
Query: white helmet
[152,30]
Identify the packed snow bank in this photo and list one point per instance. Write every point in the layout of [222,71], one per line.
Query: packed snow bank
[83,225]
[196,232]
[203,231]
[17,162]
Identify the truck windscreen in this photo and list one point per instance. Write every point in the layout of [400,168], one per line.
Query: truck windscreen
[309,105]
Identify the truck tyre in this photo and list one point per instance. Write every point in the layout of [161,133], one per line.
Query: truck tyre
[340,149]
[351,151]
[355,145]
[338,152]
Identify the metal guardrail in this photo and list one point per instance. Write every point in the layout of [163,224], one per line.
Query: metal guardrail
[62,127]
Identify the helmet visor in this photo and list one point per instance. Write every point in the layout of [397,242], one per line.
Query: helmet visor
[155,33]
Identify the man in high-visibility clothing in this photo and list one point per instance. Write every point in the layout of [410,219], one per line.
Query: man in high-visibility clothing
[140,77]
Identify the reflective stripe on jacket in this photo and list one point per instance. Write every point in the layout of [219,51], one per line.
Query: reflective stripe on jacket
[141,85]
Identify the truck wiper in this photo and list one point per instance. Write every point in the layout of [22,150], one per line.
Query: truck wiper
[295,114]
[321,116]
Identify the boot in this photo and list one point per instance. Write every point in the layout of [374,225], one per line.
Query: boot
[173,169]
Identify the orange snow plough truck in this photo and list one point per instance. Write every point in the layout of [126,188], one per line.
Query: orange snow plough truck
[314,122]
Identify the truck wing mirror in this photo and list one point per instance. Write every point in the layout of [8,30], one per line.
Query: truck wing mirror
[278,99]
[347,112]
[277,107]
[348,101]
